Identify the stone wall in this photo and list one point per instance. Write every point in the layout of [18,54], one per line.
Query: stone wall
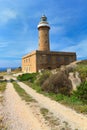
[38,60]
[52,60]
[29,63]
[44,39]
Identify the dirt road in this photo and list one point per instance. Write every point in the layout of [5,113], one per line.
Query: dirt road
[18,115]
[77,121]
[21,116]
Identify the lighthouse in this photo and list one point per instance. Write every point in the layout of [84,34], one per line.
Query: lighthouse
[42,58]
[43,28]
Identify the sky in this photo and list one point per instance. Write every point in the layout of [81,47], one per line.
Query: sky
[19,33]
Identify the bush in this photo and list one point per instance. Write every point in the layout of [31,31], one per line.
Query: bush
[82,69]
[58,83]
[12,80]
[42,77]
[27,77]
[1,77]
[81,92]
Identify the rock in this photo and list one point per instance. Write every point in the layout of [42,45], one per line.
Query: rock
[76,81]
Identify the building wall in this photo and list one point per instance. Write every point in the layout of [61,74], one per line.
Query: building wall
[46,60]
[54,60]
[29,64]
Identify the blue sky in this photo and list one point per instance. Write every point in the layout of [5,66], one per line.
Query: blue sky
[19,34]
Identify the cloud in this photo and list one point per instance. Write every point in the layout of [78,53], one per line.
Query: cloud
[80,49]
[3,44]
[62,42]
[7,15]
[60,30]
[67,21]
[61,20]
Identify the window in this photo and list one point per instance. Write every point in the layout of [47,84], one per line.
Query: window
[58,59]
[49,58]
[66,58]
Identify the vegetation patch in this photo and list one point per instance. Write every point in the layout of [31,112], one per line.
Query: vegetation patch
[58,83]
[2,89]
[23,94]
[81,92]
[27,77]
[2,125]
[72,101]
[82,69]
[3,73]
[34,86]
[41,77]
[58,87]
[2,86]
[53,121]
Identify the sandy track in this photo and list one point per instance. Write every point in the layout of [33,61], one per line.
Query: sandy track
[18,115]
[77,121]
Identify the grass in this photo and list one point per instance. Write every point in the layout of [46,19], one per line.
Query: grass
[2,86]
[82,69]
[3,73]
[2,125]
[2,89]
[44,111]
[23,94]
[28,76]
[34,86]
[53,121]
[71,101]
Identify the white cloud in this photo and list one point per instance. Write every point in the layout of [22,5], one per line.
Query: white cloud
[63,42]
[7,15]
[80,49]
[57,30]
[61,19]
[3,44]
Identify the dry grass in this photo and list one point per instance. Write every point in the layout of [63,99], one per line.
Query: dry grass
[23,94]
[54,122]
[2,86]
[2,89]
[3,73]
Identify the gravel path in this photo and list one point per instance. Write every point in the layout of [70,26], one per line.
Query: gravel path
[17,114]
[75,120]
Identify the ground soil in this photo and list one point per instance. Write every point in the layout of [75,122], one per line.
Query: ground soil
[18,115]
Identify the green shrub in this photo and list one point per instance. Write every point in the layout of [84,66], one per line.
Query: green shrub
[11,80]
[82,69]
[58,83]
[27,77]
[1,77]
[81,92]
[83,62]
[2,86]
[42,77]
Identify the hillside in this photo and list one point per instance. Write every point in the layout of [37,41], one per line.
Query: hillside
[57,106]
